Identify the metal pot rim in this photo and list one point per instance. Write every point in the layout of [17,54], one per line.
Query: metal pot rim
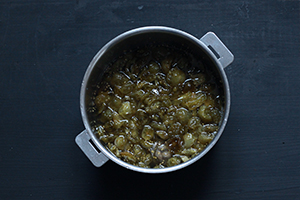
[202,43]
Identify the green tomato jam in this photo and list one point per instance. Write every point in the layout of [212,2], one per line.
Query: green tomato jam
[157,107]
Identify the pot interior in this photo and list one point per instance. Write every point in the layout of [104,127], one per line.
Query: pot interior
[142,39]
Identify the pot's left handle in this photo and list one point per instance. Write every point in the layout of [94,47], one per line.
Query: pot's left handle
[85,143]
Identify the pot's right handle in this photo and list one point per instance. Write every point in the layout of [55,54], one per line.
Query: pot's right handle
[217,47]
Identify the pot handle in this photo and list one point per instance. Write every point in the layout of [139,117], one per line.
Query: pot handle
[85,143]
[217,47]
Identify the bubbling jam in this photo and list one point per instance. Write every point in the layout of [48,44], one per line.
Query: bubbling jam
[157,107]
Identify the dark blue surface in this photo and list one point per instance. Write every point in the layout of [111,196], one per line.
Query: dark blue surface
[45,47]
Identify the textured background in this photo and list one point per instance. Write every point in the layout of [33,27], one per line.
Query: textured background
[45,48]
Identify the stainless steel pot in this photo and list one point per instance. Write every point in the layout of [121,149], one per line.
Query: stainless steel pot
[209,46]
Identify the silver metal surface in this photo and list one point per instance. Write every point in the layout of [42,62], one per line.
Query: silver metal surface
[83,141]
[225,56]
[146,36]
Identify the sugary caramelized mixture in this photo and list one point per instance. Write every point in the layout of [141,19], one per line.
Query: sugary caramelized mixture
[157,108]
